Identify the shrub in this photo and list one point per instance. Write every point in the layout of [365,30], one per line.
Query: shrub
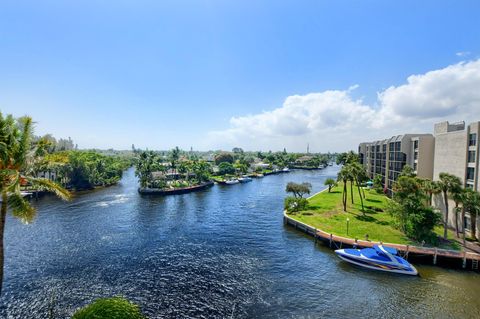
[295,204]
[109,308]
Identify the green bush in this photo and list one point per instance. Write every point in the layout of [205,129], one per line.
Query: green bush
[109,308]
[295,204]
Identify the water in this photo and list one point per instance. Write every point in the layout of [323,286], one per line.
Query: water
[221,253]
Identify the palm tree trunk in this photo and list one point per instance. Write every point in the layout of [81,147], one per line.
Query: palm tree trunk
[361,198]
[463,224]
[3,215]
[351,191]
[473,225]
[445,224]
[344,196]
[456,219]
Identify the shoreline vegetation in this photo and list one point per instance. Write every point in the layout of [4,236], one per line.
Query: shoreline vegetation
[356,207]
[178,171]
[325,212]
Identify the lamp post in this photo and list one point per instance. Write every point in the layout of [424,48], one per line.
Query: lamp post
[348,221]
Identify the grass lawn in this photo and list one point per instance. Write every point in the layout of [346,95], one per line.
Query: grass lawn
[326,213]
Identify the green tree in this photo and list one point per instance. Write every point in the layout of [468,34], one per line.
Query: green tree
[378,184]
[457,196]
[109,308]
[330,182]
[343,175]
[225,168]
[358,173]
[471,204]
[431,188]
[174,156]
[224,157]
[298,190]
[15,148]
[447,183]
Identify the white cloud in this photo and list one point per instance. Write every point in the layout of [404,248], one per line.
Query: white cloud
[462,53]
[333,120]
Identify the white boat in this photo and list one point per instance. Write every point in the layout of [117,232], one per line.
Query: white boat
[286,170]
[244,179]
[232,181]
[260,175]
[378,258]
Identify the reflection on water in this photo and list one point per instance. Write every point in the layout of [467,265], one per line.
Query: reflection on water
[223,252]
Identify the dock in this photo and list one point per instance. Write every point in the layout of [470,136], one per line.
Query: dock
[424,255]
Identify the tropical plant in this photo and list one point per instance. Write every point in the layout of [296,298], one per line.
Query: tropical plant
[298,190]
[225,168]
[358,173]
[378,184]
[457,196]
[431,188]
[15,150]
[109,308]
[471,204]
[447,183]
[174,156]
[224,157]
[330,182]
[343,175]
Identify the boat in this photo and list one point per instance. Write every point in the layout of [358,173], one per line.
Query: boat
[260,175]
[286,170]
[244,179]
[232,181]
[378,258]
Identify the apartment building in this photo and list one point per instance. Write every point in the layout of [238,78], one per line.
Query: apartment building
[388,157]
[457,153]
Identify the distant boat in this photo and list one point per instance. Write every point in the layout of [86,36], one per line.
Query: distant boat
[232,181]
[286,170]
[260,175]
[244,179]
[377,258]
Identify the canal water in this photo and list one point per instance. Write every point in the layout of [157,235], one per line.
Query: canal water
[220,253]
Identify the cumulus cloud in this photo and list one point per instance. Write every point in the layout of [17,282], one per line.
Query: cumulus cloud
[333,120]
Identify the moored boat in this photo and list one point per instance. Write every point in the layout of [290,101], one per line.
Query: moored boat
[244,179]
[286,170]
[378,258]
[232,181]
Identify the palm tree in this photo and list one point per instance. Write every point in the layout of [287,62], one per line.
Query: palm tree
[174,156]
[447,183]
[457,196]
[343,176]
[430,187]
[15,150]
[358,172]
[471,203]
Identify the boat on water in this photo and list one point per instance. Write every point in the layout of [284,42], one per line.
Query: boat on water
[232,181]
[245,179]
[286,170]
[378,258]
[260,175]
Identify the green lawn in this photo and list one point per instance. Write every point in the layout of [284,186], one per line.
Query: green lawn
[326,213]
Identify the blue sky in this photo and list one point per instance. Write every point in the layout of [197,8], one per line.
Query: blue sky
[203,73]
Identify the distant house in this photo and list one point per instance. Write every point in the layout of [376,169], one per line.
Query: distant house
[303,159]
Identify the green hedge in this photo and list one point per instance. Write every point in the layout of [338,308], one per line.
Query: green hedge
[109,308]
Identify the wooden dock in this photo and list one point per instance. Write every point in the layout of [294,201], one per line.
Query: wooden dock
[426,255]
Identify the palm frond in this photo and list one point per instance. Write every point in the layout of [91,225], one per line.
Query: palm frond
[48,185]
[21,208]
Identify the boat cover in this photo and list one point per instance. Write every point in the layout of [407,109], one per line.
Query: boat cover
[389,250]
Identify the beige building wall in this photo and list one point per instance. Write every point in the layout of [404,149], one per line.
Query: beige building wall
[451,156]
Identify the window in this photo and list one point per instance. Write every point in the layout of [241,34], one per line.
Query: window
[470,173]
[466,223]
[415,166]
[471,156]
[415,144]
[472,139]
[415,155]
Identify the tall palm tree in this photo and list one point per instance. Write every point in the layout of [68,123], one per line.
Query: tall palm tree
[471,203]
[343,176]
[457,196]
[447,183]
[15,149]
[431,188]
[358,172]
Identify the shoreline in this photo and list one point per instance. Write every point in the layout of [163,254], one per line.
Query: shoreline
[424,255]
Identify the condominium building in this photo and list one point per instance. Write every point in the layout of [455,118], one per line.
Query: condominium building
[388,157]
[457,153]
